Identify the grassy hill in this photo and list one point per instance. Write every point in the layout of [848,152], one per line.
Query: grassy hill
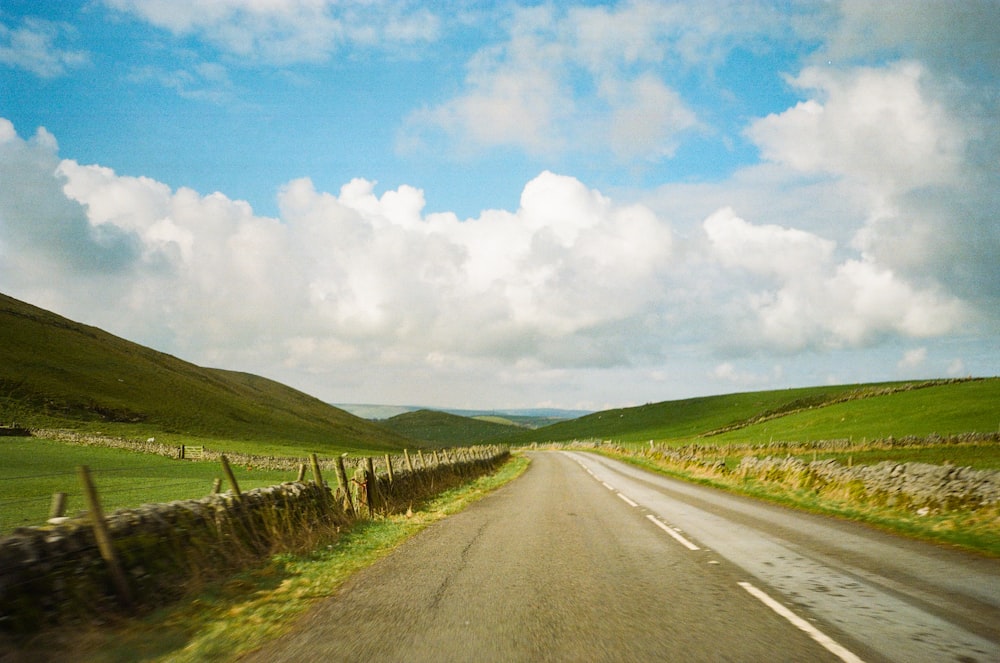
[830,412]
[58,373]
[440,429]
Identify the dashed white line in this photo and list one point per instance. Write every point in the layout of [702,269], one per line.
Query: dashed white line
[826,641]
[607,485]
[680,539]
[627,500]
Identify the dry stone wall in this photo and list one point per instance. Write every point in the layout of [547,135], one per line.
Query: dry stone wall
[56,573]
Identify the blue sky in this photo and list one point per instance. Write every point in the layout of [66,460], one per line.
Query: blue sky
[511,204]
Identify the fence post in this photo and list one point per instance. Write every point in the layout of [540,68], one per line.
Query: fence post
[302,473]
[423,463]
[342,480]
[317,475]
[216,486]
[104,543]
[58,507]
[229,475]
[409,463]
[388,467]
[372,482]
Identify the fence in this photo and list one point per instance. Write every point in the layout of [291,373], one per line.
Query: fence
[81,565]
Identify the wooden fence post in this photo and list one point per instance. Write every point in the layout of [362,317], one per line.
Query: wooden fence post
[229,475]
[371,481]
[342,480]
[388,467]
[104,543]
[423,463]
[409,463]
[58,507]
[216,486]
[317,475]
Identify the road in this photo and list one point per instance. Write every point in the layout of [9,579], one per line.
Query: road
[587,559]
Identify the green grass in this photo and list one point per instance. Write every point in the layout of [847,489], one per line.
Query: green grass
[57,373]
[971,530]
[963,407]
[792,415]
[32,469]
[441,429]
[232,618]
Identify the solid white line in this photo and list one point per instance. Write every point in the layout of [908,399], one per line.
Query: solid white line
[607,485]
[684,542]
[627,500]
[829,643]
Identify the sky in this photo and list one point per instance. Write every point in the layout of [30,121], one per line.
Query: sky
[507,205]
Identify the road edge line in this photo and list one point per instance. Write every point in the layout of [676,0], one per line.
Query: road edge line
[823,639]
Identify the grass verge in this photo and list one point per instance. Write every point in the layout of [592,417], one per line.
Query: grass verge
[228,619]
[976,532]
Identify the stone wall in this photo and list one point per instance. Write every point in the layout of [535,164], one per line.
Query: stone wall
[906,485]
[54,574]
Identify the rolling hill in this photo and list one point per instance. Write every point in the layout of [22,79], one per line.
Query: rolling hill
[829,412]
[58,373]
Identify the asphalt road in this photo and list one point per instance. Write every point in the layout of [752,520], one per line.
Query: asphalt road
[588,559]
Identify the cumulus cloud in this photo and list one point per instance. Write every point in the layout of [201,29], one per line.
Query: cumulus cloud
[798,295]
[284,31]
[565,279]
[35,46]
[910,145]
[36,216]
[876,124]
[359,282]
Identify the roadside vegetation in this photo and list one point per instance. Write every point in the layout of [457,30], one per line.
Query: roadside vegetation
[815,479]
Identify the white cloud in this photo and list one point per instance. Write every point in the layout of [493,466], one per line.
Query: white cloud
[285,31]
[804,298]
[912,359]
[583,79]
[910,146]
[34,46]
[878,125]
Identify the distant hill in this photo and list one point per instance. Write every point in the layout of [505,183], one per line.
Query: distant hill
[58,373]
[529,417]
[829,412]
[441,429]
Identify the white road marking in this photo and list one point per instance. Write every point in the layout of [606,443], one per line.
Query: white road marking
[826,641]
[684,542]
[607,485]
[627,500]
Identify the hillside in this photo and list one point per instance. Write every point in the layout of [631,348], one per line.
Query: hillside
[58,373]
[441,429]
[873,410]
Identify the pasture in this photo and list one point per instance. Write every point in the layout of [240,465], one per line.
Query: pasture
[33,469]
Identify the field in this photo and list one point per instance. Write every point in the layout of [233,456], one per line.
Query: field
[857,412]
[32,469]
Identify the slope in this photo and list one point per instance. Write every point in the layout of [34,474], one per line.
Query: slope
[754,415]
[58,373]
